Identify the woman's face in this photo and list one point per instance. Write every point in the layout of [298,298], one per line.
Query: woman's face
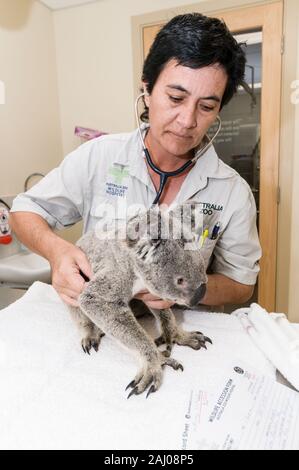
[183,105]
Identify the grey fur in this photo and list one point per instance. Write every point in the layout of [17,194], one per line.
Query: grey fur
[124,265]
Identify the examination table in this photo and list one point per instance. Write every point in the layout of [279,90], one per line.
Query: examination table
[53,396]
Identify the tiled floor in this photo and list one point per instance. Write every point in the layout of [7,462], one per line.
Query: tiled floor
[8,296]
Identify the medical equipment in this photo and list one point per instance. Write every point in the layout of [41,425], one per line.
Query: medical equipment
[164,175]
[5,232]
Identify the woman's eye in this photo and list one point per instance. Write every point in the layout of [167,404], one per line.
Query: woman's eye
[206,108]
[175,99]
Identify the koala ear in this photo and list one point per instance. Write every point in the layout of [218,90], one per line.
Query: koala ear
[187,213]
[145,227]
[187,220]
[154,225]
[145,250]
[133,229]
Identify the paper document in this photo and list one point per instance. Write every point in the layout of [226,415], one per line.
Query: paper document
[246,411]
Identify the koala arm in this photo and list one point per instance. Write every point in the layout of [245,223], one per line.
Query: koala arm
[116,318]
[223,290]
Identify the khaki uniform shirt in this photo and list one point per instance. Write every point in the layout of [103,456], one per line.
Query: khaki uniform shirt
[111,170]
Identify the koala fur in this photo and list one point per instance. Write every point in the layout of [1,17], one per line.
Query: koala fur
[143,258]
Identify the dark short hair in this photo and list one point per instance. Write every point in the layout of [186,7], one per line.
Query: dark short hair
[195,41]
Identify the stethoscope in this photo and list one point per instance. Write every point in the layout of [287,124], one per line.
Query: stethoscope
[164,175]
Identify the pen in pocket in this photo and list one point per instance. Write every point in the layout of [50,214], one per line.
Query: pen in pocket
[203,237]
[215,231]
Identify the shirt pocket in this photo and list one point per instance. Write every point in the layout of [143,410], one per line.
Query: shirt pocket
[207,250]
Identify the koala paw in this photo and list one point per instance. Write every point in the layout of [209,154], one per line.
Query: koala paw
[193,339]
[91,341]
[151,376]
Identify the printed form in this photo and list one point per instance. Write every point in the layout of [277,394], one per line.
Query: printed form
[248,411]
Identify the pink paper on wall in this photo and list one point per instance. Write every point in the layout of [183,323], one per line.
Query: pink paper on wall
[88,134]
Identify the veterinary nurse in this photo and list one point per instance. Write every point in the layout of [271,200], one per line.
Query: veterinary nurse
[192,70]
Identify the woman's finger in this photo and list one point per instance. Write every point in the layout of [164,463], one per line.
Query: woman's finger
[159,304]
[72,285]
[84,267]
[146,296]
[69,292]
[68,300]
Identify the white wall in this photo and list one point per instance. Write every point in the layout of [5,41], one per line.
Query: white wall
[30,134]
[95,64]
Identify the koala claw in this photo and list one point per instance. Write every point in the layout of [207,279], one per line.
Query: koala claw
[151,376]
[208,340]
[86,350]
[140,385]
[173,363]
[205,338]
[131,384]
[151,390]
[88,343]
[194,339]
[133,392]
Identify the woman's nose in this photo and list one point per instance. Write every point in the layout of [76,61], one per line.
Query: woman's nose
[187,118]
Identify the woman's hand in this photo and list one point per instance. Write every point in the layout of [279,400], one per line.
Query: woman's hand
[66,277]
[153,301]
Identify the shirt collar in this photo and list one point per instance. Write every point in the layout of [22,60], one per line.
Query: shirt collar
[209,165]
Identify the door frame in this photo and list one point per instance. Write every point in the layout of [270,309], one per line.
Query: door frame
[268,16]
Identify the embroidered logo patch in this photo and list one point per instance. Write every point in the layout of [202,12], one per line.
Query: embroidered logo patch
[119,174]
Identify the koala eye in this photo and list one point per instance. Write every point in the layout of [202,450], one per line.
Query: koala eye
[180,281]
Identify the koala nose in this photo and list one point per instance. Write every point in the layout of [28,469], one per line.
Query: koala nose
[199,294]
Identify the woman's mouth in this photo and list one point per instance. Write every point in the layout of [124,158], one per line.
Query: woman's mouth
[181,136]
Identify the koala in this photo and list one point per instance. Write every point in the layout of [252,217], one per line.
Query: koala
[146,256]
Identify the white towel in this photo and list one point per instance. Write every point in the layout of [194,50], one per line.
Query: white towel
[53,396]
[276,337]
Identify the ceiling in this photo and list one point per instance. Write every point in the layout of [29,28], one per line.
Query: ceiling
[58,4]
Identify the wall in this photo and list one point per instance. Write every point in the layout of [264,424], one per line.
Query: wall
[95,68]
[95,64]
[30,134]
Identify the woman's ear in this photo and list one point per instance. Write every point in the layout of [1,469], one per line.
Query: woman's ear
[146,94]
